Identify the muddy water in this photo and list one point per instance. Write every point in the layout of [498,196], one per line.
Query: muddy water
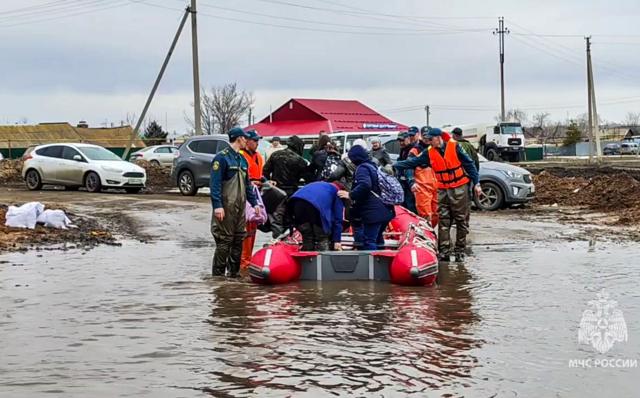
[145,320]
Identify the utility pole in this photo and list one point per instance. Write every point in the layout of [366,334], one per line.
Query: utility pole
[196,69]
[589,98]
[501,32]
[428,112]
[135,131]
[594,109]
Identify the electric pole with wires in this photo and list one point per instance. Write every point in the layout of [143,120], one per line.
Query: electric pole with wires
[197,117]
[501,31]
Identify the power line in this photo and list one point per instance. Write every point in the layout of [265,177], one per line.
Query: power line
[77,9]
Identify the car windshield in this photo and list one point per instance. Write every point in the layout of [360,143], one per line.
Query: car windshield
[511,130]
[98,153]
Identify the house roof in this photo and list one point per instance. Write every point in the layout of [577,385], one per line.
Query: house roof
[310,116]
[23,136]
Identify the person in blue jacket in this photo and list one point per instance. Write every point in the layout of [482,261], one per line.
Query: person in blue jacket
[317,212]
[367,206]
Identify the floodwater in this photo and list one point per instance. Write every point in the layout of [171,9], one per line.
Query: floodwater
[145,320]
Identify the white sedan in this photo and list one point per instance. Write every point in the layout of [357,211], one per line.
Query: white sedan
[80,165]
[158,155]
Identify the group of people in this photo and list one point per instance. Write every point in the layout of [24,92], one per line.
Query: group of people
[322,198]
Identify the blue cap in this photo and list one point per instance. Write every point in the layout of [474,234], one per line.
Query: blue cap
[402,136]
[413,130]
[425,130]
[434,132]
[253,135]
[237,132]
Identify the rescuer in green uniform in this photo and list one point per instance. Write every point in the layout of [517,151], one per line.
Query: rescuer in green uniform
[230,190]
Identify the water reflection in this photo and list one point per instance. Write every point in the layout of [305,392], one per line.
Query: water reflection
[352,336]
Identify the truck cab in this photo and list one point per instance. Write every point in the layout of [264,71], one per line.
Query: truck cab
[504,140]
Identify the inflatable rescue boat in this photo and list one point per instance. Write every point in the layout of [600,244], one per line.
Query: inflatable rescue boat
[409,257]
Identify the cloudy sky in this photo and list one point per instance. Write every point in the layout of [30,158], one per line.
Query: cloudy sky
[67,60]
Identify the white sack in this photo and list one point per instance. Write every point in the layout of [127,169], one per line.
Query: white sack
[24,216]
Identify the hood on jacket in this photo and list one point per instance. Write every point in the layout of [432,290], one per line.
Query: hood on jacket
[295,144]
[358,155]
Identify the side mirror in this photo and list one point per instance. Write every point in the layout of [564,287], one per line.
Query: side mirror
[77,158]
[496,130]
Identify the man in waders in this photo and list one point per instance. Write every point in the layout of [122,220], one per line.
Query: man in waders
[230,190]
[454,171]
[255,163]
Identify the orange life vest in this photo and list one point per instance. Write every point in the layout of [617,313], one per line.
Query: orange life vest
[448,169]
[256,163]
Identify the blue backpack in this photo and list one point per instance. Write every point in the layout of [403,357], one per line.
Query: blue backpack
[391,192]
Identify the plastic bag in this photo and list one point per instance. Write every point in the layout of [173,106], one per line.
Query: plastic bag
[25,216]
[250,212]
[54,219]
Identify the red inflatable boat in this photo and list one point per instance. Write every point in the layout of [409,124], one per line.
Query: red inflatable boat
[410,258]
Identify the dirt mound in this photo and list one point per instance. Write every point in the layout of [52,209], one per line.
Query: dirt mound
[611,193]
[88,234]
[158,177]
[10,171]
[551,189]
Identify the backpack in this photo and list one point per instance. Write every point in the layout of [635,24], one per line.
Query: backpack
[391,192]
[330,165]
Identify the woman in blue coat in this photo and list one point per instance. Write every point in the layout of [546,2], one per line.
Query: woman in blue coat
[317,213]
[367,207]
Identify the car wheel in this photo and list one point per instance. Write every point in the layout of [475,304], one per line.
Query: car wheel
[187,184]
[92,182]
[154,163]
[133,190]
[492,197]
[493,155]
[33,180]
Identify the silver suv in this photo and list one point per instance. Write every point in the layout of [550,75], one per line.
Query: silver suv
[191,167]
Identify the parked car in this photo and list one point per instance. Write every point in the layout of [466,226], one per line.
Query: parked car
[611,149]
[503,184]
[158,155]
[629,148]
[80,165]
[191,168]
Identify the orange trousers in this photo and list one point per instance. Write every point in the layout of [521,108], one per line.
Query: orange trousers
[427,204]
[247,246]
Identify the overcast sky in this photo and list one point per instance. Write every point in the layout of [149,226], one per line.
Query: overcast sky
[96,60]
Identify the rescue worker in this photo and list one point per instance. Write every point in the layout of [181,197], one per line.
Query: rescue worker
[454,170]
[472,152]
[230,190]
[425,185]
[255,164]
[405,176]
[467,146]
[414,135]
[379,153]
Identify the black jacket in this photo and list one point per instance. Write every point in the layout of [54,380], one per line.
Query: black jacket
[381,156]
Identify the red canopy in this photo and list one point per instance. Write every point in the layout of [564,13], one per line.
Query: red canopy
[311,116]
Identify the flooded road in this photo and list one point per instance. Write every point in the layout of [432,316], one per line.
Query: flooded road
[145,320]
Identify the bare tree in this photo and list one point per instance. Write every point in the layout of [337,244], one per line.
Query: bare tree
[632,119]
[541,120]
[222,108]
[514,115]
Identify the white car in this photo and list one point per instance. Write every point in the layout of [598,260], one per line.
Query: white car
[159,155]
[80,165]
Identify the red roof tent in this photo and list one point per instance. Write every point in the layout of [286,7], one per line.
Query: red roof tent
[310,116]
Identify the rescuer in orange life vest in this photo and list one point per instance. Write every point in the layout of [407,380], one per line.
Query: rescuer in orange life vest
[256,163]
[454,170]
[425,186]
